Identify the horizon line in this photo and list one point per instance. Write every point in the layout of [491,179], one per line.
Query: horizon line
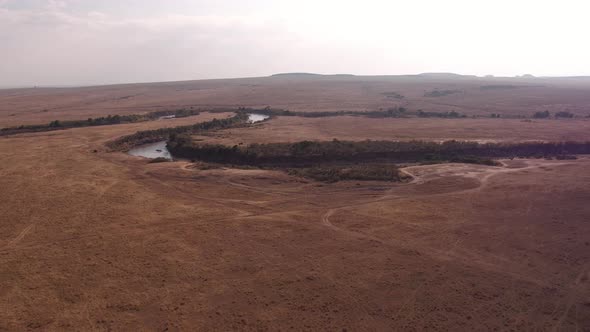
[284,74]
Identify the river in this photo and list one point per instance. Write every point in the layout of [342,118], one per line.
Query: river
[159,150]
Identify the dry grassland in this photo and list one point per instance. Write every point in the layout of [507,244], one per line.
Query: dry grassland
[105,241]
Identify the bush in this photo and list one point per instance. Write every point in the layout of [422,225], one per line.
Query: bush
[498,87]
[542,115]
[474,160]
[355,172]
[399,112]
[564,114]
[440,93]
[393,95]
[159,160]
[565,157]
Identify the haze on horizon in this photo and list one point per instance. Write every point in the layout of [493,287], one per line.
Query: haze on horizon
[83,42]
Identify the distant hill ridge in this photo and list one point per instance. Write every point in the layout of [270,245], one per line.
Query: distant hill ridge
[310,75]
[425,75]
[435,75]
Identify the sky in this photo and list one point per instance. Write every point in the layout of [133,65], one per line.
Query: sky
[87,42]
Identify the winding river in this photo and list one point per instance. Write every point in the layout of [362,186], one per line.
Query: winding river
[159,150]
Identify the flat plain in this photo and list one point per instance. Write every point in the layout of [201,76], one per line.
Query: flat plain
[93,239]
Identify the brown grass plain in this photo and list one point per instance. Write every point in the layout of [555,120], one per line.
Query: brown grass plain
[294,129]
[301,93]
[105,241]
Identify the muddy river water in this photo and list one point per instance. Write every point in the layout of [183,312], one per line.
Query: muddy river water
[253,118]
[159,150]
[151,151]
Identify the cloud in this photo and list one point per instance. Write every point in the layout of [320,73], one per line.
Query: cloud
[111,41]
[53,46]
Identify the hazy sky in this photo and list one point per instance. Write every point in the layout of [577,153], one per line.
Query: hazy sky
[73,42]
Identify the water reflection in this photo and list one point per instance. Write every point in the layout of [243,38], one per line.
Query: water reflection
[253,118]
[152,151]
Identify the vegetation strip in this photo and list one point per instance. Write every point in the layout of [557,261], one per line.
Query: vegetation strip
[397,112]
[335,173]
[162,134]
[150,136]
[102,121]
[336,160]
[309,153]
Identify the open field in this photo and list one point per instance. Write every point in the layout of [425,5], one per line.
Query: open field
[474,96]
[293,129]
[97,240]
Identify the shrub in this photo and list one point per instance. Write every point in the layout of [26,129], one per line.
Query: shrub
[564,114]
[393,95]
[541,115]
[159,160]
[399,112]
[355,172]
[565,157]
[474,160]
[440,93]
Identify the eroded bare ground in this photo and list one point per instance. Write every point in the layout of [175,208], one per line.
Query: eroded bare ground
[99,241]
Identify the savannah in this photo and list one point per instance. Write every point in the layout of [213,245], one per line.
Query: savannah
[93,238]
[230,165]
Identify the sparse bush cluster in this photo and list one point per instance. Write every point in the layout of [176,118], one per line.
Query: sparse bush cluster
[159,160]
[451,114]
[542,115]
[547,115]
[440,93]
[566,157]
[474,160]
[498,87]
[564,114]
[393,95]
[335,173]
[398,112]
